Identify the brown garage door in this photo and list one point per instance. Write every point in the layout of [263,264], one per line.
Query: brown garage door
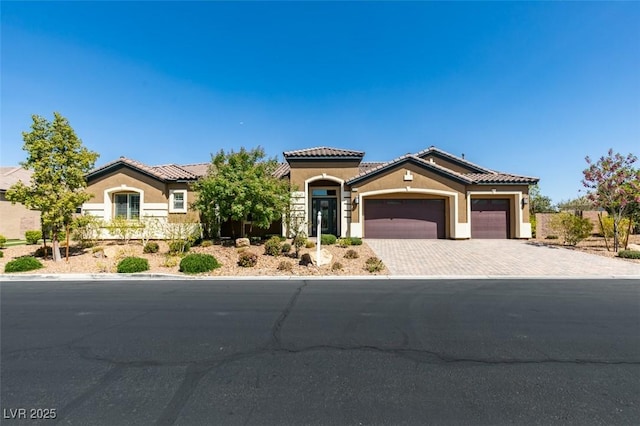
[489,218]
[404,219]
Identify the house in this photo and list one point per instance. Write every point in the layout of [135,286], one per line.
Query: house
[429,194]
[15,218]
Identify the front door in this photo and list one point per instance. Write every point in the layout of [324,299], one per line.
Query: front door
[329,209]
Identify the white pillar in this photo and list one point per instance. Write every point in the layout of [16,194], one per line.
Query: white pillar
[318,234]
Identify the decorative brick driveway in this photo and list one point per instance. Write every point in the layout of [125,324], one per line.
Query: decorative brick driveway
[494,258]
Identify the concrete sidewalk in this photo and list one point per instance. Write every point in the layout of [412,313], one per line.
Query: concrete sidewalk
[512,258]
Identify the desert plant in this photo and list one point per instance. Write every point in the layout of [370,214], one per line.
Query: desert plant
[151,247]
[351,254]
[206,243]
[286,248]
[171,261]
[305,260]
[132,264]
[343,242]
[629,254]
[373,264]
[33,236]
[22,264]
[606,225]
[355,241]
[328,239]
[299,241]
[1,254]
[85,230]
[273,246]
[309,244]
[197,263]
[123,229]
[178,247]
[337,266]
[247,259]
[3,241]
[551,237]
[285,265]
[572,228]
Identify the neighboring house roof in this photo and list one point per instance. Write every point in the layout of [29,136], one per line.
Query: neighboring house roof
[497,177]
[323,152]
[432,150]
[9,176]
[282,170]
[167,172]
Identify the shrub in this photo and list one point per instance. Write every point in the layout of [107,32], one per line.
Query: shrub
[86,229]
[305,259]
[3,241]
[309,244]
[625,254]
[286,248]
[179,247]
[273,246]
[33,237]
[151,247]
[171,261]
[197,263]
[299,241]
[22,264]
[43,251]
[572,228]
[206,243]
[1,254]
[247,259]
[373,264]
[132,264]
[351,254]
[343,242]
[532,221]
[551,237]
[285,265]
[327,239]
[337,266]
[355,241]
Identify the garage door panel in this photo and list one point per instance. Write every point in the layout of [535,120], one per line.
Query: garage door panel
[490,219]
[404,219]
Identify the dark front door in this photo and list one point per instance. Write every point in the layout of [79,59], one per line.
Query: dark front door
[329,209]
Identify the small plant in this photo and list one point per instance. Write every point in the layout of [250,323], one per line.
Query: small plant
[551,237]
[206,243]
[305,260]
[85,230]
[102,267]
[151,247]
[337,266]
[247,259]
[171,261]
[351,254]
[373,264]
[286,248]
[1,254]
[625,254]
[178,247]
[132,264]
[327,239]
[309,244]
[22,264]
[273,246]
[3,241]
[33,237]
[572,228]
[43,251]
[343,242]
[197,263]
[285,265]
[299,241]
[355,241]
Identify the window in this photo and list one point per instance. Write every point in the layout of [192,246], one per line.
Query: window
[323,192]
[178,201]
[127,206]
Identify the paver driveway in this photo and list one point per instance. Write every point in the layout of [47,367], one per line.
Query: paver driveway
[494,258]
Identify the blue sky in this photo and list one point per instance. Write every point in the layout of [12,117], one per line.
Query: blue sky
[527,88]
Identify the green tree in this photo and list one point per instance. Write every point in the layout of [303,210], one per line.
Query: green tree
[59,163]
[614,185]
[539,203]
[241,186]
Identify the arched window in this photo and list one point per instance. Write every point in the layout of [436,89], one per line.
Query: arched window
[126,205]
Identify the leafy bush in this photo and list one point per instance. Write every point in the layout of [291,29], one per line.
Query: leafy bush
[86,229]
[151,247]
[337,266]
[625,254]
[327,239]
[179,247]
[3,241]
[309,244]
[124,229]
[1,254]
[343,242]
[606,227]
[532,221]
[206,243]
[373,264]
[285,265]
[43,251]
[132,264]
[286,248]
[247,259]
[22,264]
[299,241]
[197,263]
[572,228]
[355,241]
[273,246]
[33,237]
[351,254]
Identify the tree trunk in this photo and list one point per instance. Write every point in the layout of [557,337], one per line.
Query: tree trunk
[67,243]
[604,232]
[56,249]
[626,237]
[615,235]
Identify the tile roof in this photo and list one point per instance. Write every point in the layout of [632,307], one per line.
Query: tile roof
[163,172]
[323,152]
[455,158]
[497,177]
[9,176]
[282,170]
[198,169]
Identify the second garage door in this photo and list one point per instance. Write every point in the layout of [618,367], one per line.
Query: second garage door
[489,218]
[404,219]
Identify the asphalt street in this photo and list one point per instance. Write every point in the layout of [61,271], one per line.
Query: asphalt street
[338,352]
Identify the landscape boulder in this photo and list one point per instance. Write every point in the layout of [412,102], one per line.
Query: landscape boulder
[324,259]
[243,242]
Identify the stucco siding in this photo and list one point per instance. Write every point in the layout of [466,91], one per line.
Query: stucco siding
[16,219]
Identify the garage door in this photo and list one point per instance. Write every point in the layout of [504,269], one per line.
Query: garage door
[404,219]
[489,218]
